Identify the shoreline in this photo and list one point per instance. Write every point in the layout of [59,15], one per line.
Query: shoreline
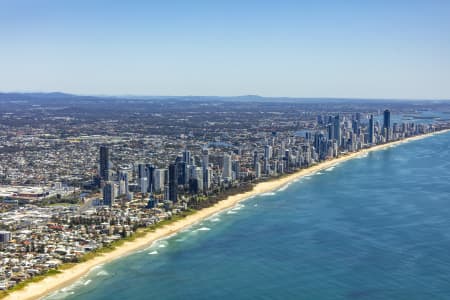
[68,276]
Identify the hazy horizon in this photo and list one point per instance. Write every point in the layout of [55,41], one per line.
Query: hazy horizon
[137,96]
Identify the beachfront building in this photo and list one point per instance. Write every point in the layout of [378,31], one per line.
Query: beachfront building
[227,172]
[258,170]
[387,124]
[173,182]
[371,131]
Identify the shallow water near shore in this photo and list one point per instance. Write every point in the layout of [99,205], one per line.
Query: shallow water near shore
[370,228]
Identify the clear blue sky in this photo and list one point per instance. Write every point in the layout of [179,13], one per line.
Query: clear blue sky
[340,48]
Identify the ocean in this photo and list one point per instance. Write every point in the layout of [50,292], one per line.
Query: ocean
[375,227]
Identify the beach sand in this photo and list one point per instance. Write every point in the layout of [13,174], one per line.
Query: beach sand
[50,284]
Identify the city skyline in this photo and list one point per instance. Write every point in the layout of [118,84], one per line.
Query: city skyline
[201,149]
[293,48]
[84,176]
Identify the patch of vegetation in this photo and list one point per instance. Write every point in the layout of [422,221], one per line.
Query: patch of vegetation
[24,283]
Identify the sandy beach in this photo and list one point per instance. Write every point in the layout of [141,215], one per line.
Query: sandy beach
[53,283]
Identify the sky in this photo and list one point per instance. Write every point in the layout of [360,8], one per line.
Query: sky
[316,48]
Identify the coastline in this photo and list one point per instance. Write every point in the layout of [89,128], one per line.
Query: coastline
[68,276]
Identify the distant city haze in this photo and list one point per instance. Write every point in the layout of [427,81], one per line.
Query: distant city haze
[356,49]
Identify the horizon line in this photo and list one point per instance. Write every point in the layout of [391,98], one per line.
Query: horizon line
[223,96]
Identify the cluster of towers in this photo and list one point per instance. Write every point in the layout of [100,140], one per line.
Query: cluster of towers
[274,155]
[153,180]
[352,134]
[113,184]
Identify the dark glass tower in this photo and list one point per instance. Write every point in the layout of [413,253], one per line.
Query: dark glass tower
[387,123]
[173,183]
[108,194]
[151,179]
[387,119]
[104,163]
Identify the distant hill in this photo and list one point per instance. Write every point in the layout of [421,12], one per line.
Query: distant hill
[60,96]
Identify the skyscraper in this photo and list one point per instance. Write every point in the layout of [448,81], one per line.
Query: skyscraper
[387,119]
[207,174]
[158,180]
[227,166]
[355,126]
[267,152]
[187,156]
[143,178]
[257,170]
[123,182]
[237,169]
[173,183]
[199,177]
[104,163]
[387,123]
[330,131]
[205,166]
[255,158]
[183,177]
[205,159]
[287,159]
[150,177]
[108,194]
[371,130]
[337,129]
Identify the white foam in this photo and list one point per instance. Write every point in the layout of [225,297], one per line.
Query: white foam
[204,229]
[162,246]
[213,216]
[284,187]
[102,273]
[268,194]
[59,295]
[215,220]
[255,205]
[231,212]
[148,248]
[330,168]
[65,291]
[153,252]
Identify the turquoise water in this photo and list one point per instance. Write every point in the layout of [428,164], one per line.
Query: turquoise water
[376,227]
